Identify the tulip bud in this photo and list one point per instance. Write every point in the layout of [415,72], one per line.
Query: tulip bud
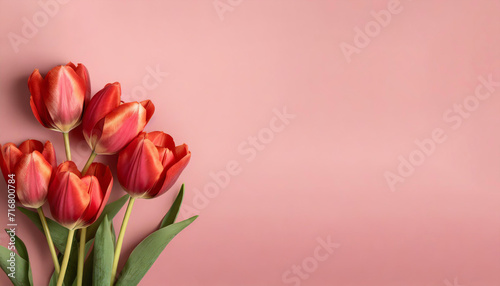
[77,201]
[109,125]
[58,100]
[151,164]
[33,164]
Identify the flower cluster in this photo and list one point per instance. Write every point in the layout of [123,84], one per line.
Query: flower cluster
[148,163]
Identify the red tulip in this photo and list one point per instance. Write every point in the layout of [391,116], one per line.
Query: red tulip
[32,163]
[151,164]
[109,125]
[57,101]
[77,201]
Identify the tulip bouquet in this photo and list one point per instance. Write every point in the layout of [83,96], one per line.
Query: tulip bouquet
[80,235]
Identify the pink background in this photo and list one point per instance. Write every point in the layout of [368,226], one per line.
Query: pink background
[323,175]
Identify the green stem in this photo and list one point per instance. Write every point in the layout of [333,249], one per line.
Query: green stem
[49,240]
[89,162]
[67,251]
[120,238]
[81,256]
[66,146]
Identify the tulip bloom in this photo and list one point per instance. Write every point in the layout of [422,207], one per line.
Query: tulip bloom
[109,125]
[151,164]
[58,100]
[147,168]
[77,201]
[32,163]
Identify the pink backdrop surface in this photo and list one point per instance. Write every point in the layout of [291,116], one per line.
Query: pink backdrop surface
[373,90]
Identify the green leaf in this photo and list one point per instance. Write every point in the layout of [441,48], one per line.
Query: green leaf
[88,245]
[58,232]
[20,246]
[53,279]
[110,210]
[146,253]
[21,276]
[113,234]
[171,215]
[103,254]
[23,252]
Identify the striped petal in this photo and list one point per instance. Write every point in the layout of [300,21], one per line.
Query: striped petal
[50,154]
[9,157]
[105,178]
[96,197]
[119,127]
[35,84]
[170,175]
[166,156]
[181,151]
[64,97]
[68,196]
[33,175]
[83,73]
[150,109]
[138,167]
[105,101]
[161,139]
[30,145]
[69,166]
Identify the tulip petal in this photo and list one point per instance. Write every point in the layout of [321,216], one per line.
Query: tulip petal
[30,145]
[65,97]
[49,154]
[96,199]
[99,106]
[37,115]
[138,166]
[169,176]
[181,151]
[71,65]
[69,166]
[82,71]
[105,178]
[33,175]
[161,139]
[68,197]
[166,156]
[9,157]
[169,158]
[150,109]
[35,84]
[120,126]
[102,173]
